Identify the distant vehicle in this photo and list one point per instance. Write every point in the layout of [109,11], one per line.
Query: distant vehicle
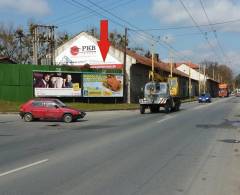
[223,90]
[205,97]
[47,108]
[237,93]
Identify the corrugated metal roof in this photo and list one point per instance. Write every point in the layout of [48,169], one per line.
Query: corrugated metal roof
[157,64]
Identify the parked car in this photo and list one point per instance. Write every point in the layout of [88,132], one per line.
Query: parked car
[48,108]
[205,97]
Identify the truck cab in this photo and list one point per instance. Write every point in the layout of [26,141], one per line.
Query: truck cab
[156,95]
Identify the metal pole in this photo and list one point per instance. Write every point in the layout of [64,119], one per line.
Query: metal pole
[152,61]
[213,73]
[125,82]
[35,46]
[189,87]
[199,78]
[204,86]
[171,63]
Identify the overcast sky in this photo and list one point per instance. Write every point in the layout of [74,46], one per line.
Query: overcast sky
[219,41]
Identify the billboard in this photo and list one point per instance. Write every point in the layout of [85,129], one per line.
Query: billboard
[56,84]
[102,85]
[83,50]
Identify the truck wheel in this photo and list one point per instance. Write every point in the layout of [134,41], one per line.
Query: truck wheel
[142,109]
[177,107]
[151,109]
[167,107]
[28,117]
[67,118]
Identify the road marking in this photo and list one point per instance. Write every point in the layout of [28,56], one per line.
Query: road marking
[23,167]
[164,119]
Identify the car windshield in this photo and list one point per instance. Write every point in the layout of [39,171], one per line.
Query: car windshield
[60,103]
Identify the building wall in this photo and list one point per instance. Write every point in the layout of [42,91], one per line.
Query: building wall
[194,74]
[212,88]
[139,77]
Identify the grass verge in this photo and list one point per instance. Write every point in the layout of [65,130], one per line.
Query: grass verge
[7,106]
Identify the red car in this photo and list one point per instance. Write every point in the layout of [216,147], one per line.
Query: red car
[47,108]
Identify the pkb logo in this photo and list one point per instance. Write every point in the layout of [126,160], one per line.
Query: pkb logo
[83,49]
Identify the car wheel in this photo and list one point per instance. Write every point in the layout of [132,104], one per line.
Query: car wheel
[142,109]
[67,118]
[28,117]
[167,107]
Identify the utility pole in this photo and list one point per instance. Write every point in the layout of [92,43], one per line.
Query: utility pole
[152,61]
[125,79]
[35,45]
[189,82]
[213,73]
[41,30]
[199,79]
[171,63]
[204,86]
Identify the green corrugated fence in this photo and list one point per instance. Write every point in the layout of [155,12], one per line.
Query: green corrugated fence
[16,79]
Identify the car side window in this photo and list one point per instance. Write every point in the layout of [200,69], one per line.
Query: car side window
[50,104]
[37,104]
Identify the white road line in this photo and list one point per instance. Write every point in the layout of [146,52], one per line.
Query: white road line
[23,167]
[164,119]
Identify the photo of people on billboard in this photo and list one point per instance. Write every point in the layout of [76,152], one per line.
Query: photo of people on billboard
[102,85]
[57,84]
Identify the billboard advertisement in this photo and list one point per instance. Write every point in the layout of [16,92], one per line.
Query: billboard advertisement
[57,84]
[83,50]
[102,85]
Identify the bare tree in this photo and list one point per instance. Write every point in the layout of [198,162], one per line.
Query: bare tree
[220,72]
[15,44]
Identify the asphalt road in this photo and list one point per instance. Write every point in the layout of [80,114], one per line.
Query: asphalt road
[192,152]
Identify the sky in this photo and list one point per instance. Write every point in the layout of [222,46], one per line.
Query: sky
[189,30]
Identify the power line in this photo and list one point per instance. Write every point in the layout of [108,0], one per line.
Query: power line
[213,30]
[64,17]
[198,27]
[125,21]
[191,26]
[148,36]
[75,3]
[92,13]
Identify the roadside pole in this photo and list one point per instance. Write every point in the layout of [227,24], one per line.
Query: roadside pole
[204,86]
[171,63]
[152,61]
[199,79]
[125,82]
[189,82]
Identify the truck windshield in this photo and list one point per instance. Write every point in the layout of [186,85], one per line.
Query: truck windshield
[160,88]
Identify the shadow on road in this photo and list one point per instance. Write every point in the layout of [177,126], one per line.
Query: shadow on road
[226,124]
